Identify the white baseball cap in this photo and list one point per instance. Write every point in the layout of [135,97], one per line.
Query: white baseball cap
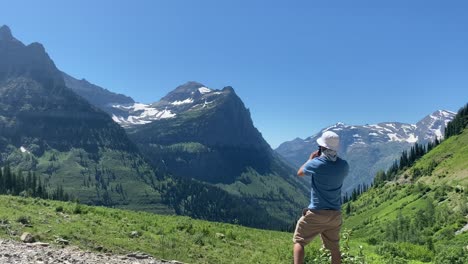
[329,140]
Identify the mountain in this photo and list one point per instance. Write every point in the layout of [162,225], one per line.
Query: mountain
[421,214]
[48,129]
[208,135]
[183,98]
[195,132]
[370,148]
[217,124]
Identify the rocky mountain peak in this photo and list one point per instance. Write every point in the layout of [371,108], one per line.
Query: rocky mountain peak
[32,61]
[7,39]
[183,92]
[37,47]
[434,124]
[228,89]
[5,33]
[188,87]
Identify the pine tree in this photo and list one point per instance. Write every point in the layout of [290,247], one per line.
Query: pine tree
[2,182]
[348,209]
[458,124]
[8,179]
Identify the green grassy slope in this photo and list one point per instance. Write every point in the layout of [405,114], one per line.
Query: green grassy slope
[416,216]
[165,237]
[376,218]
[109,177]
[447,164]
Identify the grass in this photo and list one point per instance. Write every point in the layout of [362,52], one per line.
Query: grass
[451,162]
[195,241]
[88,177]
[165,237]
[443,185]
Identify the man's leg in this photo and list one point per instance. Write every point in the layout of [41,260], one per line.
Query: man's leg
[298,253]
[306,231]
[331,241]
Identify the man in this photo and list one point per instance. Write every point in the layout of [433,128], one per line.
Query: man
[323,215]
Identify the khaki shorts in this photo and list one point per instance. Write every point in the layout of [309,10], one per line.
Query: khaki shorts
[327,223]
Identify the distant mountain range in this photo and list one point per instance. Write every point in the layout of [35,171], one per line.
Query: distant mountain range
[370,148]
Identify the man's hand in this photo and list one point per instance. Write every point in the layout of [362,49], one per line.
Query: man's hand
[314,154]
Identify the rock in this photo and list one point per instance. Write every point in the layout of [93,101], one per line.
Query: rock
[15,252]
[62,241]
[138,255]
[220,235]
[134,234]
[39,244]
[27,237]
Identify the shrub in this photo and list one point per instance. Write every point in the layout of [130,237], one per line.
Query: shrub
[452,256]
[403,251]
[372,241]
[199,239]
[185,224]
[79,209]
[25,220]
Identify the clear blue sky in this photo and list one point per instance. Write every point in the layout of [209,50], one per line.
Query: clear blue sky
[299,66]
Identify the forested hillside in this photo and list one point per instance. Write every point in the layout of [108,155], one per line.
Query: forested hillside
[419,210]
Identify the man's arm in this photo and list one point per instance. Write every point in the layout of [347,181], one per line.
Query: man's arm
[313,155]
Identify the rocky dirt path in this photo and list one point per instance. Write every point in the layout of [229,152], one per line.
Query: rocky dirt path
[14,252]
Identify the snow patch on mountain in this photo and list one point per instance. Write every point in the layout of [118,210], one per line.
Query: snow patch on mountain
[204,90]
[446,113]
[438,132]
[186,101]
[188,97]
[394,137]
[412,138]
[24,150]
[140,114]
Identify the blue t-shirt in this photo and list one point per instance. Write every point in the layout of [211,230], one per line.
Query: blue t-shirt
[327,180]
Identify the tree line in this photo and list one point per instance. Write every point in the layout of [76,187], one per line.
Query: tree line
[459,123]
[406,160]
[212,203]
[28,185]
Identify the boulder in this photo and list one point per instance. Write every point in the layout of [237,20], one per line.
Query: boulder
[27,237]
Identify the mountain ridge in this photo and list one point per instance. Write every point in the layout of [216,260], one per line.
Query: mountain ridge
[48,129]
[370,148]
